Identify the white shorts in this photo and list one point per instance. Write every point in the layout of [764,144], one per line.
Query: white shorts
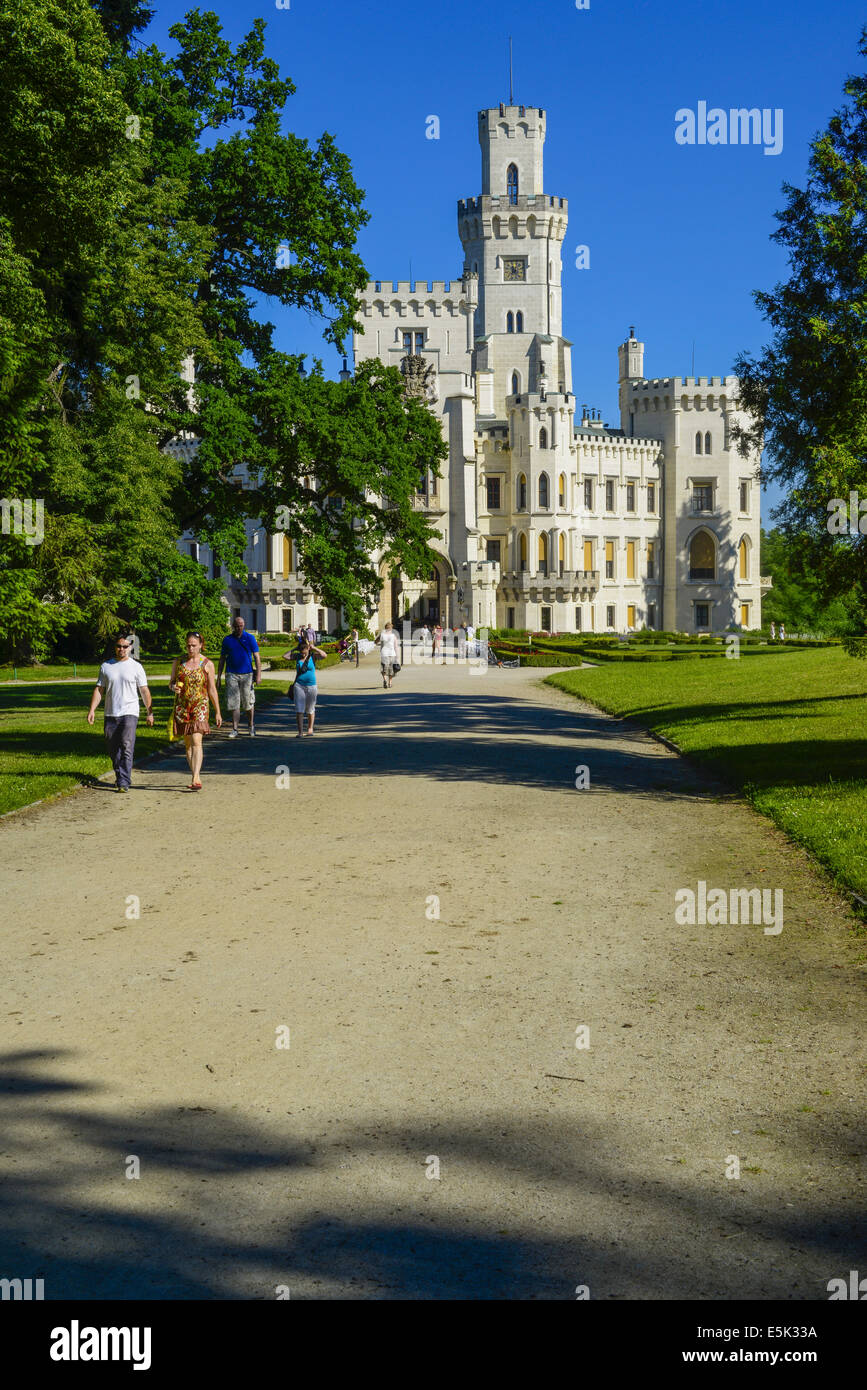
[305,698]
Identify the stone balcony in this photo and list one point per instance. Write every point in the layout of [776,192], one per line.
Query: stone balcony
[431,506]
[550,588]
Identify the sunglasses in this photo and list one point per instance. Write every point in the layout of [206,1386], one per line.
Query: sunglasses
[124,645]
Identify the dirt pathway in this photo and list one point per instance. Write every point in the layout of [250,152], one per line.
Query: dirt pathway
[419,1042]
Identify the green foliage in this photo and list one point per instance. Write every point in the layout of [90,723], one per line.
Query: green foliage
[797,597]
[360,438]
[807,392]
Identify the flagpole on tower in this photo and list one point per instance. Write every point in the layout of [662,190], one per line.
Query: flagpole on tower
[511,80]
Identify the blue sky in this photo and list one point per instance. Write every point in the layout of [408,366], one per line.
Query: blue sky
[678,235]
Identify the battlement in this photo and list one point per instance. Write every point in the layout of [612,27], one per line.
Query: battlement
[682,383]
[438,290]
[610,440]
[500,202]
[681,393]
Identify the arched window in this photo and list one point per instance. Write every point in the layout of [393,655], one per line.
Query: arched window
[561,490]
[512,183]
[543,490]
[744,559]
[698,442]
[516,384]
[522,493]
[702,556]
[543,552]
[561,553]
[510,322]
[522,553]
[707,447]
[543,438]
[519,322]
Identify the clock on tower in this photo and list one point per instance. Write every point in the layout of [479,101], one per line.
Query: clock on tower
[514,269]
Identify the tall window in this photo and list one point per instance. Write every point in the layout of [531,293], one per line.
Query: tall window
[651,560]
[512,183]
[413,344]
[609,495]
[707,443]
[522,554]
[543,490]
[546,620]
[743,559]
[745,497]
[630,559]
[609,615]
[702,498]
[561,490]
[543,438]
[609,560]
[493,551]
[702,557]
[577,619]
[522,493]
[698,442]
[561,554]
[516,385]
[651,615]
[702,615]
[630,497]
[588,557]
[510,322]
[519,322]
[492,486]
[588,494]
[630,615]
[288,622]
[543,552]
[651,498]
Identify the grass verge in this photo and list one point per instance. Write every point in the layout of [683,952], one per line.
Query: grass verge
[789,733]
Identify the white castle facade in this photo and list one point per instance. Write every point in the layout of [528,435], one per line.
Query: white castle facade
[545,518]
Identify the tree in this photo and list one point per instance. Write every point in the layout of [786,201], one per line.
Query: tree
[807,392]
[97,269]
[284,216]
[796,598]
[341,463]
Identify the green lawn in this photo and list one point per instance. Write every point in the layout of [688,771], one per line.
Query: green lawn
[791,733]
[47,746]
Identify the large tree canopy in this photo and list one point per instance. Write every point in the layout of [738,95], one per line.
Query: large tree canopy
[807,391]
[152,204]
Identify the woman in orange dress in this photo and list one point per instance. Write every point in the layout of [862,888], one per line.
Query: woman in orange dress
[193,685]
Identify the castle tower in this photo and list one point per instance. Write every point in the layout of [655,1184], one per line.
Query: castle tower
[513,233]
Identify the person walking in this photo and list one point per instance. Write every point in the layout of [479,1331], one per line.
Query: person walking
[124,682]
[437,639]
[193,684]
[304,690]
[389,660]
[240,655]
[310,633]
[353,641]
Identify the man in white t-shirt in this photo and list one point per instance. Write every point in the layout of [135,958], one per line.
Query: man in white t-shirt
[388,654]
[123,681]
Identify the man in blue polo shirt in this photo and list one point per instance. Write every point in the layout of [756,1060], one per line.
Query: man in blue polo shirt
[238,653]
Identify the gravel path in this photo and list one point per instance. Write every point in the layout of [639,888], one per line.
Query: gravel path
[419,1041]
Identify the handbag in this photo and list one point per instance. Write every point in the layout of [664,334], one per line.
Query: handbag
[395,667]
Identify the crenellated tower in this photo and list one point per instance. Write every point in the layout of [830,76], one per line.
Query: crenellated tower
[513,233]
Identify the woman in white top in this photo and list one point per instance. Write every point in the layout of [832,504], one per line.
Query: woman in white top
[388,654]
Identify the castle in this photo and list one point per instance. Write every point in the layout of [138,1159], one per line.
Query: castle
[545,517]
